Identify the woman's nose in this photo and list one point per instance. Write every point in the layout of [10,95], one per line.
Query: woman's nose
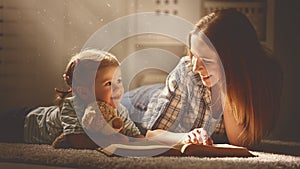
[198,66]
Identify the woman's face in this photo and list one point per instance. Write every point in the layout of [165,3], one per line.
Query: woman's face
[205,61]
[108,85]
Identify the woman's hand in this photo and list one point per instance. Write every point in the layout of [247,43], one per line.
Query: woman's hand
[198,136]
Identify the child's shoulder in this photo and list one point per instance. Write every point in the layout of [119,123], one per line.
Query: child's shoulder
[74,104]
[70,99]
[73,100]
[68,102]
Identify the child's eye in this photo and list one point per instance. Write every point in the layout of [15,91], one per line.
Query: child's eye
[119,81]
[108,84]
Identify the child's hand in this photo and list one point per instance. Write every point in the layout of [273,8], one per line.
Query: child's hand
[106,140]
[119,138]
[92,119]
[107,111]
[61,142]
[102,118]
[198,136]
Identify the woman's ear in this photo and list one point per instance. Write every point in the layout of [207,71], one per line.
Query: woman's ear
[84,93]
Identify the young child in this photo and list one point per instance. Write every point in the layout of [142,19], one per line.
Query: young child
[92,76]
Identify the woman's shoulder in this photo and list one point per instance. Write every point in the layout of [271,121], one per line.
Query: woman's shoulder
[185,61]
[182,66]
[181,71]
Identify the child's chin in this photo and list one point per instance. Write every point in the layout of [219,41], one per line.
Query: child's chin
[116,104]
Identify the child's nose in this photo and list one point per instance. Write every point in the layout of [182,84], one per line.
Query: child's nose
[117,87]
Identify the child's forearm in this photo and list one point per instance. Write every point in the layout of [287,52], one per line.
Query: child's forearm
[74,140]
[83,141]
[139,136]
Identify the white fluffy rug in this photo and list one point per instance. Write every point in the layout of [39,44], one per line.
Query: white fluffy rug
[271,154]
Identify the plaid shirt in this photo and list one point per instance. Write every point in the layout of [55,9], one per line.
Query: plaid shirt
[183,104]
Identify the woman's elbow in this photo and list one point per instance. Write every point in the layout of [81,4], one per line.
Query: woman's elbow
[245,141]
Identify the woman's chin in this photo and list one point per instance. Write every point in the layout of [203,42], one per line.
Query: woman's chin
[207,83]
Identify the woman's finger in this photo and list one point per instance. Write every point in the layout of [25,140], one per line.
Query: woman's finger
[209,142]
[204,136]
[199,137]
[195,139]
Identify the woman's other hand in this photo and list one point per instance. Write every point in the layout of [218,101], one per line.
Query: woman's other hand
[198,136]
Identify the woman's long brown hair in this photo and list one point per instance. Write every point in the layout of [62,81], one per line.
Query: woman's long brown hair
[253,78]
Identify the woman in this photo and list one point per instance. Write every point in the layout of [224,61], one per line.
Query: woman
[248,98]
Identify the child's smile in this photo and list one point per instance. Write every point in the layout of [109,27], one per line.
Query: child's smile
[108,85]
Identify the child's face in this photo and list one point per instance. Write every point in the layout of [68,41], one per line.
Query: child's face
[108,86]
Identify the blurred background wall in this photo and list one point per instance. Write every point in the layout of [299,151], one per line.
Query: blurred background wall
[38,37]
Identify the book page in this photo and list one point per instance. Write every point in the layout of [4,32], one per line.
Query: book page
[151,148]
[143,148]
[226,146]
[217,150]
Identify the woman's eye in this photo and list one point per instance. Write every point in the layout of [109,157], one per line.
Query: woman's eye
[206,61]
[108,84]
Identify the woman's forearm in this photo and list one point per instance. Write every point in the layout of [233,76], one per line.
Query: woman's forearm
[233,129]
[166,137]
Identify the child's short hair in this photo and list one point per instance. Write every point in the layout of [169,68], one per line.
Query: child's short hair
[87,63]
[82,68]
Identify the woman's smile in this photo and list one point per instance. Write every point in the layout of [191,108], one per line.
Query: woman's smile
[205,77]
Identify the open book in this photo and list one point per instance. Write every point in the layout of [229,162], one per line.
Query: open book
[139,149]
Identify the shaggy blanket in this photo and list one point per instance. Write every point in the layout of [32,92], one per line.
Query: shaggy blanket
[270,154]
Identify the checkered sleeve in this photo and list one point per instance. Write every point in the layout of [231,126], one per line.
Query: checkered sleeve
[166,105]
